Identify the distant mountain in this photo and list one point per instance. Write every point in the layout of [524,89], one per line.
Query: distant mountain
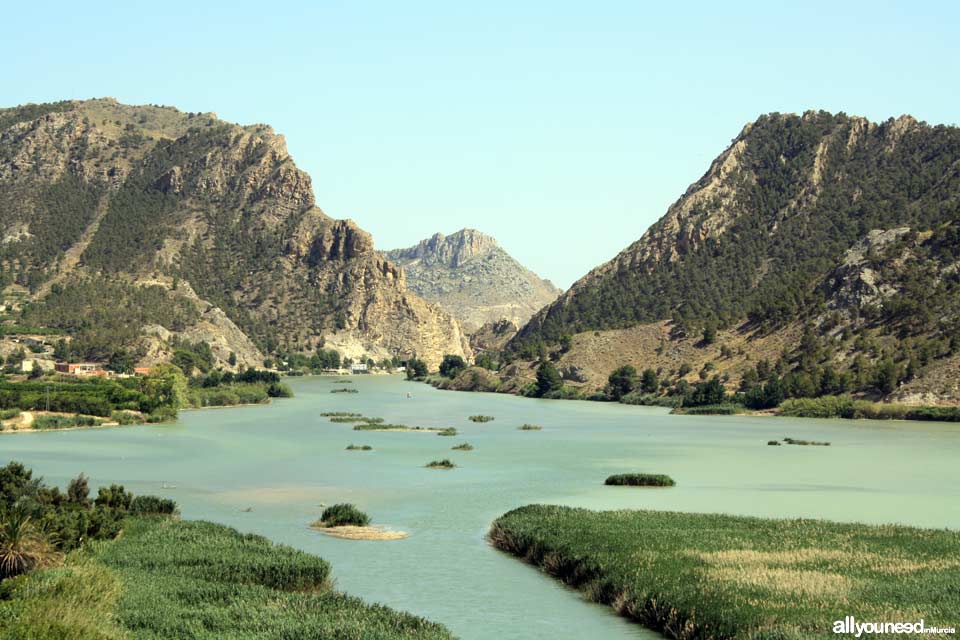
[471,276]
[130,226]
[824,242]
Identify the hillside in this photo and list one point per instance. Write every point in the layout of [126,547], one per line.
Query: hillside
[182,226]
[824,243]
[472,277]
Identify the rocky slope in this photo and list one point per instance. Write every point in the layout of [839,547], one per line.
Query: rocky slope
[823,222]
[472,277]
[217,215]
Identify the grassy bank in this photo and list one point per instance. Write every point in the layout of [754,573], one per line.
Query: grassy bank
[165,578]
[698,576]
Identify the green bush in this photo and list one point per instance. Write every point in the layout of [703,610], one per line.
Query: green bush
[153,505]
[64,422]
[464,446]
[441,464]
[639,480]
[340,515]
[480,418]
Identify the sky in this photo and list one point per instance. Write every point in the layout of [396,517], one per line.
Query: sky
[563,129]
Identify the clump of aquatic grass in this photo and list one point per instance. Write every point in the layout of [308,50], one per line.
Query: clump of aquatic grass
[23,545]
[441,464]
[340,414]
[356,418]
[639,480]
[813,443]
[343,390]
[463,446]
[711,410]
[846,407]
[529,427]
[359,447]
[449,431]
[172,570]
[338,381]
[390,427]
[341,515]
[481,418]
[773,443]
[723,577]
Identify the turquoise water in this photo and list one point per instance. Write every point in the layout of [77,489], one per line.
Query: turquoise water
[284,461]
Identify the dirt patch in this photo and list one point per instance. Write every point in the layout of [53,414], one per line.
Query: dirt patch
[362,533]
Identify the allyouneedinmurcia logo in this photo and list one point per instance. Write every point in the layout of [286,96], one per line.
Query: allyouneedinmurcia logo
[849,625]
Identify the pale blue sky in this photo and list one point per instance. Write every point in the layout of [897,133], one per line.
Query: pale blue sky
[564,129]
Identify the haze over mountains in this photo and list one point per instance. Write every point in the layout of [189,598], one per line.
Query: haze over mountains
[471,276]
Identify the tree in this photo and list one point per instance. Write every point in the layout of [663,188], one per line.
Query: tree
[452,365]
[416,369]
[486,361]
[685,368]
[78,491]
[232,360]
[548,379]
[649,382]
[566,341]
[622,381]
[709,334]
[887,376]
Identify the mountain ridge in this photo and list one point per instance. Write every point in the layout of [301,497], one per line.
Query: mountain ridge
[97,189]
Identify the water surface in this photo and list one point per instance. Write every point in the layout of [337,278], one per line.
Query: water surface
[283,461]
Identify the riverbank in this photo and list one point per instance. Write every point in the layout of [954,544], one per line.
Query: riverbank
[723,577]
[476,379]
[169,578]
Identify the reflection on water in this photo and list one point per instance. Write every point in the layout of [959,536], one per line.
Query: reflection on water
[270,469]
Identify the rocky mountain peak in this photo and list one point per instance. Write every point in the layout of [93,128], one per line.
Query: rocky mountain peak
[473,278]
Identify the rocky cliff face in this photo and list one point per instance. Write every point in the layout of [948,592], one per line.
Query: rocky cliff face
[793,224]
[97,188]
[472,277]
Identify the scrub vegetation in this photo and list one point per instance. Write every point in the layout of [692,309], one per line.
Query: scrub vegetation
[698,576]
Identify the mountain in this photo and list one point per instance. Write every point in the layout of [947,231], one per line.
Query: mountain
[123,224]
[818,241]
[471,276]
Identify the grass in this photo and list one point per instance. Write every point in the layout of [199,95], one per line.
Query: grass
[481,418]
[463,446]
[339,414]
[711,410]
[6,414]
[356,418]
[76,601]
[344,390]
[449,431]
[359,447]
[169,579]
[529,427]
[441,464]
[639,480]
[847,407]
[806,442]
[342,515]
[700,576]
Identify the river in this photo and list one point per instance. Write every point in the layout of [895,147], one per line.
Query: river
[269,469]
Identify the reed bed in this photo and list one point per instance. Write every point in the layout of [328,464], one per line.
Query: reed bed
[699,576]
[639,480]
